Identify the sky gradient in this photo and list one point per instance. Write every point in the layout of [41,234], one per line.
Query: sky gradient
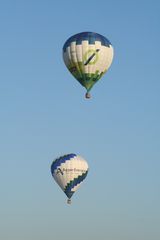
[44,114]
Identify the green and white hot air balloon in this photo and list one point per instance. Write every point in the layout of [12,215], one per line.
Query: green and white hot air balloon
[88,56]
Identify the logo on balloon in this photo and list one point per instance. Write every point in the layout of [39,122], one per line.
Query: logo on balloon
[69,170]
[59,171]
[91,57]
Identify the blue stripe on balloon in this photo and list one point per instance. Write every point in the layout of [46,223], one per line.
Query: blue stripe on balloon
[74,183]
[89,36]
[61,160]
[69,194]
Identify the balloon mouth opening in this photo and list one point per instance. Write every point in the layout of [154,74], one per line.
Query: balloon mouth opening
[88,95]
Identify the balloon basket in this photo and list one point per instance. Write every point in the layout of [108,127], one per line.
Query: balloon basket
[88,95]
[69,201]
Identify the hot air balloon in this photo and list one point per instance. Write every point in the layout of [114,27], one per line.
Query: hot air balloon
[69,171]
[87,56]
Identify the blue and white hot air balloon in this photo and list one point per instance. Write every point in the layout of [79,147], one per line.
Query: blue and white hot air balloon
[69,171]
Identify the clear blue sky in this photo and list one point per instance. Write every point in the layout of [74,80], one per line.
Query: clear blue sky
[43,114]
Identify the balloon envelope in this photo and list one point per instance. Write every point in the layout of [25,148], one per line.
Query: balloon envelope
[69,171]
[87,56]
